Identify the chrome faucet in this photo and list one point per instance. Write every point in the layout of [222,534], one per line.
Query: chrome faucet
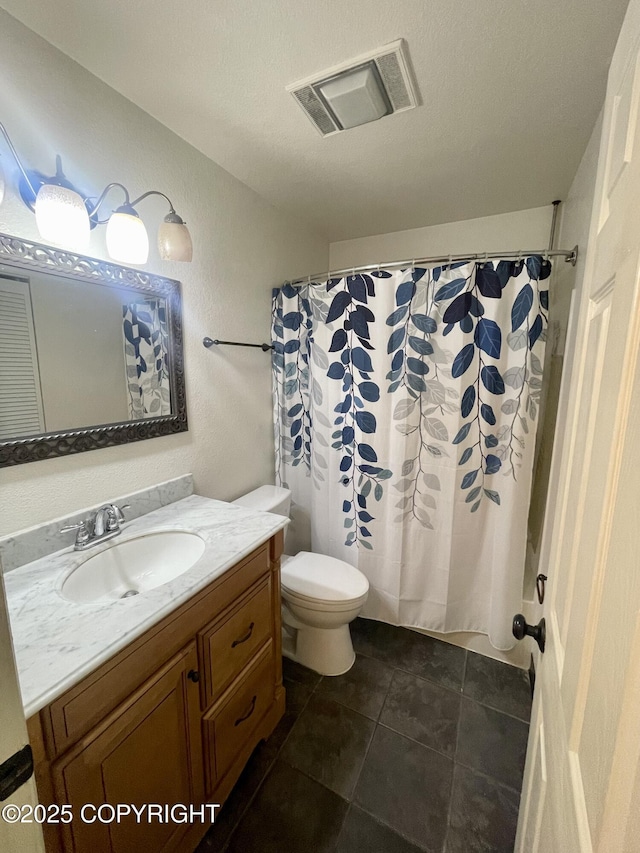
[103,525]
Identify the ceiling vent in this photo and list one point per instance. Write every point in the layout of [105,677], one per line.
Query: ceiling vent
[364,89]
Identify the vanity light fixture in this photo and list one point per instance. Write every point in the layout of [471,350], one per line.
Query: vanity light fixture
[65,216]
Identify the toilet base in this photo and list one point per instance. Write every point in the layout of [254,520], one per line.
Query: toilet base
[327,651]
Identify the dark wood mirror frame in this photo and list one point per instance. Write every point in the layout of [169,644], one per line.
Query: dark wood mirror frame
[24,255]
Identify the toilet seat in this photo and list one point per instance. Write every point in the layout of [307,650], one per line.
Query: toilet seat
[322,582]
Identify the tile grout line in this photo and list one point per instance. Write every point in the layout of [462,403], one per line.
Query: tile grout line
[453,690]
[267,771]
[497,710]
[489,778]
[410,672]
[386,695]
[393,829]
[344,820]
[366,752]
[249,802]
[376,724]
[455,752]
[379,724]
[417,742]
[364,758]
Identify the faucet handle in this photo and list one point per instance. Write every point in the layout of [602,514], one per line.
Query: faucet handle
[116,515]
[119,512]
[82,535]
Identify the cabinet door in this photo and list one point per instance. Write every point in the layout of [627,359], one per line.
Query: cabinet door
[148,750]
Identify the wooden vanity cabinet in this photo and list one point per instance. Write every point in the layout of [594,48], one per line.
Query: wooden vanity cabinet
[171,719]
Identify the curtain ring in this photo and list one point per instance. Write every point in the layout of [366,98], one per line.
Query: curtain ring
[519,258]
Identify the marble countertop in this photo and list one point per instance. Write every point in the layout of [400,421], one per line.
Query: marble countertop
[57,642]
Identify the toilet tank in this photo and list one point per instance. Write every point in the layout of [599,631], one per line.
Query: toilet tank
[267,499]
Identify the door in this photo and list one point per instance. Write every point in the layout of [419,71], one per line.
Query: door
[14,837]
[582,780]
[149,750]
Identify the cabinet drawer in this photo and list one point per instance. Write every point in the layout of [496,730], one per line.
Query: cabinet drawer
[230,724]
[229,644]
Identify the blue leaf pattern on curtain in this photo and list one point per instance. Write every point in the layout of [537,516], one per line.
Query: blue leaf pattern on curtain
[449,360]
[146,355]
[460,302]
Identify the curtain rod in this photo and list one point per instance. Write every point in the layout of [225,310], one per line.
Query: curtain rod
[570,256]
[209,342]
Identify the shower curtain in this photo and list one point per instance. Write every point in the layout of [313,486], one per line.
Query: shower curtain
[405,408]
[144,327]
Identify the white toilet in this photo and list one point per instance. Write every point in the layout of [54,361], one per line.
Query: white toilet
[320,596]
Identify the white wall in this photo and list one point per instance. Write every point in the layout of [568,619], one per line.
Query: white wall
[523,229]
[573,229]
[242,248]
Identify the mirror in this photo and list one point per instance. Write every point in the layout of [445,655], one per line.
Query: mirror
[90,353]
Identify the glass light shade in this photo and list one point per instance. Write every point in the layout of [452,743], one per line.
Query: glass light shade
[127,238]
[62,217]
[174,242]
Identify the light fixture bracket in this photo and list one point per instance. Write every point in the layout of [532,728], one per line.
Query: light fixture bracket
[31,181]
[128,209]
[173,219]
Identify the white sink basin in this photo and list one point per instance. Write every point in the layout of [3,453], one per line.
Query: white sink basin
[132,566]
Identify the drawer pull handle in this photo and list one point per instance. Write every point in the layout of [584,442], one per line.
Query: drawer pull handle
[193,675]
[248,714]
[245,638]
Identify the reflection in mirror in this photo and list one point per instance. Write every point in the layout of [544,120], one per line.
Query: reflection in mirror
[90,354]
[76,354]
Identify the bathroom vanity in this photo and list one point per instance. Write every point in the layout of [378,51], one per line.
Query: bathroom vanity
[177,686]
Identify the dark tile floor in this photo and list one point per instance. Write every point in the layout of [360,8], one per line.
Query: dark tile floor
[419,747]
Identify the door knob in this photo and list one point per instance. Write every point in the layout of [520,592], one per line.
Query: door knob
[522,629]
[193,675]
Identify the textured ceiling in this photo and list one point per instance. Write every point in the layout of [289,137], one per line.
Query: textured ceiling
[510,91]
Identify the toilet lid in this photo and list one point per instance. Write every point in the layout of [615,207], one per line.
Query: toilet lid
[322,578]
